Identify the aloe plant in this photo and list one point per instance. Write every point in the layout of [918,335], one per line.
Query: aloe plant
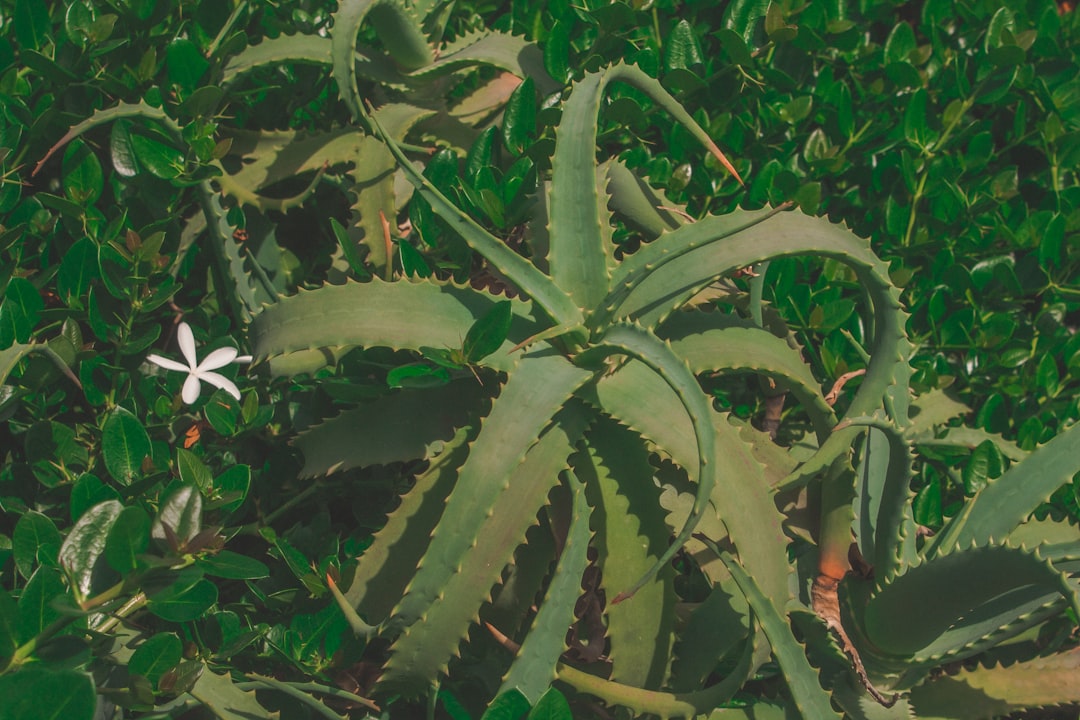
[591,338]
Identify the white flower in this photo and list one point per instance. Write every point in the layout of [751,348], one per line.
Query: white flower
[198,371]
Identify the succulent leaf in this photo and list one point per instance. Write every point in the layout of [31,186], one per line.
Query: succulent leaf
[534,668]
[631,535]
[1006,502]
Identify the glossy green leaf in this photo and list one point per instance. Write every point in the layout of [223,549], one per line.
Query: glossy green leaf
[156,153]
[78,268]
[83,178]
[81,555]
[155,656]
[744,17]
[124,444]
[34,541]
[122,151]
[557,51]
[192,470]
[519,118]
[233,566]
[31,23]
[900,43]
[185,63]
[985,464]
[413,263]
[552,706]
[127,539]
[510,705]
[36,603]
[927,504]
[182,513]
[19,312]
[681,48]
[39,692]
[488,333]
[184,604]
[232,487]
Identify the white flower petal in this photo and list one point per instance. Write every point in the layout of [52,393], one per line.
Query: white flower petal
[220,381]
[191,389]
[217,359]
[167,363]
[187,345]
[243,359]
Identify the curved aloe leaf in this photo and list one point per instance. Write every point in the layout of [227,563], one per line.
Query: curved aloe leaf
[631,535]
[385,568]
[100,117]
[742,499]
[711,341]
[578,256]
[400,31]
[491,48]
[499,491]
[673,705]
[1006,502]
[538,286]
[801,678]
[953,600]
[637,202]
[298,48]
[533,669]
[999,691]
[638,343]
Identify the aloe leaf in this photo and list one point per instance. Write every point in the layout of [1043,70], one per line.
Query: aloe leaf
[533,669]
[638,343]
[742,499]
[716,626]
[375,193]
[410,315]
[100,117]
[309,50]
[801,678]
[971,438]
[408,425]
[631,535]
[11,355]
[1004,503]
[491,48]
[884,523]
[499,490]
[385,568]
[298,48]
[270,156]
[236,275]
[525,578]
[955,599]
[931,410]
[671,705]
[711,341]
[400,32]
[220,696]
[635,76]
[578,256]
[999,691]
[519,271]
[637,202]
